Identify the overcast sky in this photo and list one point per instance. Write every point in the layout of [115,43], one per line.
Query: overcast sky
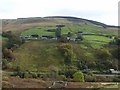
[105,11]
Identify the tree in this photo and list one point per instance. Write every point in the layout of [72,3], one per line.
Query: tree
[116,41]
[63,39]
[102,54]
[116,52]
[70,70]
[78,76]
[79,36]
[7,53]
[12,39]
[69,34]
[58,32]
[67,51]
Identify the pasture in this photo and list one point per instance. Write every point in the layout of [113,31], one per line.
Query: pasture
[96,41]
[73,28]
[38,31]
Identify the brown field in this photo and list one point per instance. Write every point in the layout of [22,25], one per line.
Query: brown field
[16,82]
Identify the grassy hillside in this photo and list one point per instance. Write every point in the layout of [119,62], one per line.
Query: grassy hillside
[38,55]
[73,28]
[91,45]
[42,55]
[96,41]
[72,24]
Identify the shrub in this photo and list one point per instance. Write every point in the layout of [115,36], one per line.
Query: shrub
[63,39]
[5,78]
[27,75]
[4,63]
[116,79]
[70,70]
[63,77]
[13,74]
[8,54]
[78,76]
[9,65]
[103,79]
[89,78]
[90,73]
[34,75]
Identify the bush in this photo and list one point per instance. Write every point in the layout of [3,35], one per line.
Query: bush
[116,79]
[89,78]
[63,77]
[90,73]
[4,64]
[78,76]
[5,78]
[69,71]
[63,39]
[10,66]
[8,54]
[34,75]
[27,75]
[103,79]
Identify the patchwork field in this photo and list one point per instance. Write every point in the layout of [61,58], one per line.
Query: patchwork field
[70,28]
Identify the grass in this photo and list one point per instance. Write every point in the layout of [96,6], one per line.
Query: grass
[43,56]
[97,38]
[96,41]
[89,40]
[38,31]
[88,28]
[38,56]
[73,28]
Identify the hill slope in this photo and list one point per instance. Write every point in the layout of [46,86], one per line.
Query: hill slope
[21,24]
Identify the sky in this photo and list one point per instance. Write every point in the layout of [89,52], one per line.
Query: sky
[105,11]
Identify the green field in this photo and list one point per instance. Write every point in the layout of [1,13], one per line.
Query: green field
[96,41]
[97,38]
[38,31]
[89,40]
[88,29]
[73,28]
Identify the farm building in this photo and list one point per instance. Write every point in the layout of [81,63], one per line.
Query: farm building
[114,71]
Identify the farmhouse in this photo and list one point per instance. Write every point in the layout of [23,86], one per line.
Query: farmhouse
[114,71]
[25,37]
[48,38]
[29,37]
